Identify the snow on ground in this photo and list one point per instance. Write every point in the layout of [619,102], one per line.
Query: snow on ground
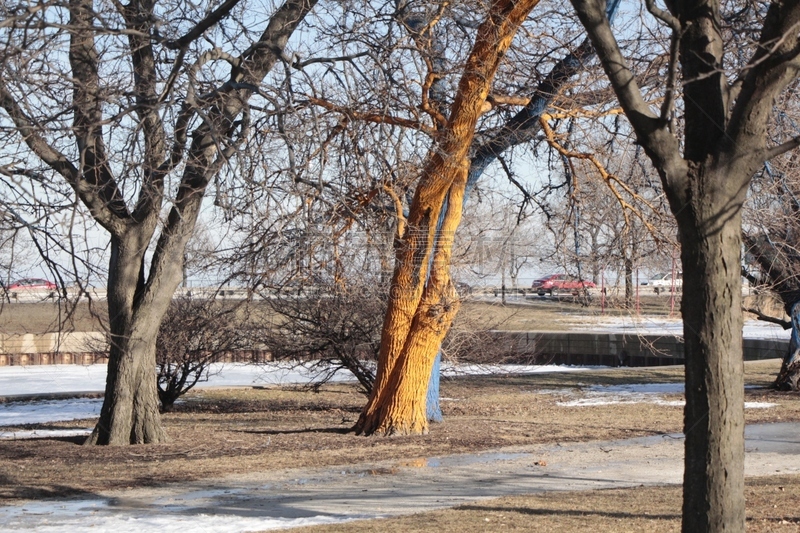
[74,378]
[44,433]
[648,325]
[460,370]
[640,393]
[43,379]
[86,515]
[43,411]
[46,379]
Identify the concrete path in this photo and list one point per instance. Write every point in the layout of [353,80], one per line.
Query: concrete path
[289,498]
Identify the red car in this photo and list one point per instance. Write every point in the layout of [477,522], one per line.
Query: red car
[32,284]
[560,283]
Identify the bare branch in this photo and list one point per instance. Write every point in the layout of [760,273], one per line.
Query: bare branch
[775,151]
[610,180]
[651,131]
[213,18]
[664,16]
[398,210]
[376,117]
[773,66]
[302,64]
[145,81]
[785,324]
[668,106]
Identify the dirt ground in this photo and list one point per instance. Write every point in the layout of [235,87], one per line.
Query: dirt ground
[224,432]
[220,432]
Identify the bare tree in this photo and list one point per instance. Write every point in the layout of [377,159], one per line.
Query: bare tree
[438,67]
[706,150]
[423,299]
[133,110]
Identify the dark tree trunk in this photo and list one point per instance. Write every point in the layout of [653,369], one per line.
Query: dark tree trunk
[628,281]
[714,414]
[130,413]
[705,175]
[133,418]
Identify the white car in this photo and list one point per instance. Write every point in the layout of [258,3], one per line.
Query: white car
[665,282]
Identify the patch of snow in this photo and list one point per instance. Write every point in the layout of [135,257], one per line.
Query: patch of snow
[647,325]
[82,515]
[460,370]
[639,393]
[43,379]
[759,405]
[43,433]
[43,411]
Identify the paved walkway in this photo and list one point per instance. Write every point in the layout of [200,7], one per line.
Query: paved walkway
[288,498]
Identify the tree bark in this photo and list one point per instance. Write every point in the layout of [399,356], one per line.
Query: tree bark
[133,415]
[417,320]
[420,313]
[713,489]
[130,413]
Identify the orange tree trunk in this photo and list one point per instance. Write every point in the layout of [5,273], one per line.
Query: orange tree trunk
[419,313]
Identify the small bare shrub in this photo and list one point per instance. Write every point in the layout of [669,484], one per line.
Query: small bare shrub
[194,334]
[335,326]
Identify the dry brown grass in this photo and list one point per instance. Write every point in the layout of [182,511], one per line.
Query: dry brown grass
[47,317]
[531,314]
[236,431]
[239,431]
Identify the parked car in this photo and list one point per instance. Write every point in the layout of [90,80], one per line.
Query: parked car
[665,282]
[32,284]
[556,284]
[29,289]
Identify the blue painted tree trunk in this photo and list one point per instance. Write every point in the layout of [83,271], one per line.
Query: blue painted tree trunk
[434,410]
[789,376]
